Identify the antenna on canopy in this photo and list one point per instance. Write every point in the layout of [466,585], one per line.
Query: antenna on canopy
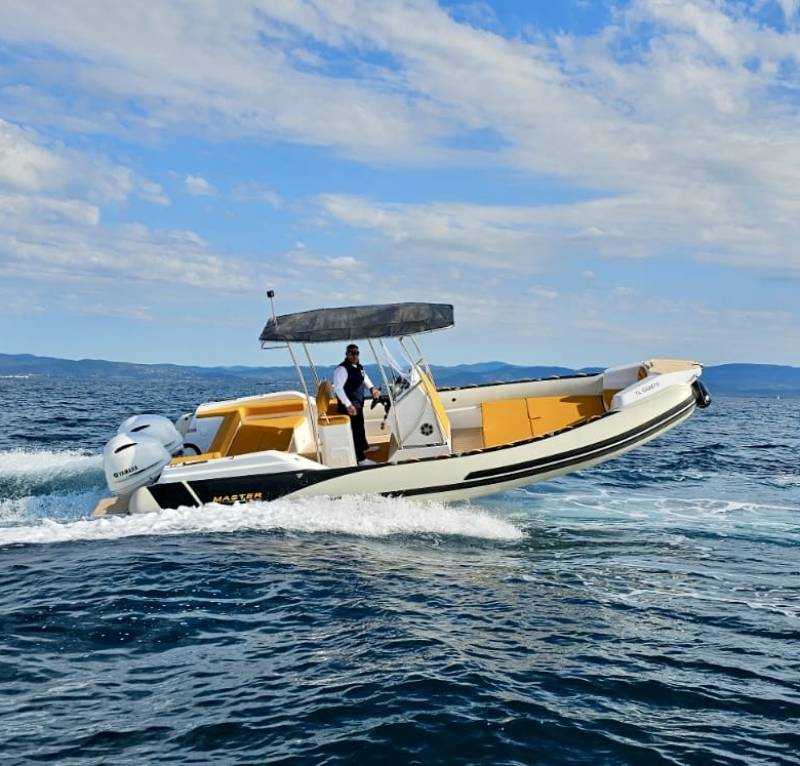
[271,295]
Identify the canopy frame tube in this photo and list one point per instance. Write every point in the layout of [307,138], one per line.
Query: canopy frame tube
[308,407]
[388,388]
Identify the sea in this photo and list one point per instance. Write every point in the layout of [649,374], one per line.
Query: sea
[643,612]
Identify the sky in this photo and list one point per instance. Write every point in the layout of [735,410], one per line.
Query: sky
[588,183]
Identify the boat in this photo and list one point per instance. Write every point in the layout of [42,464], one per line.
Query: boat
[448,443]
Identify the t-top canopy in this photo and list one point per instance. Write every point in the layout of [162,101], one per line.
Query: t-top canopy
[354,322]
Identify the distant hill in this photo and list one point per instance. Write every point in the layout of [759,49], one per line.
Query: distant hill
[725,379]
[753,379]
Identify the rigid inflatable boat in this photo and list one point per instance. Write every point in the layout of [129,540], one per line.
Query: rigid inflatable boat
[426,442]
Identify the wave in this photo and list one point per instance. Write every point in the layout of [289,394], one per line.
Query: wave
[368,516]
[26,472]
[603,508]
[62,506]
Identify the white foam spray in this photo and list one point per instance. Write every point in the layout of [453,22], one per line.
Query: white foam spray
[42,483]
[368,516]
[63,506]
[45,465]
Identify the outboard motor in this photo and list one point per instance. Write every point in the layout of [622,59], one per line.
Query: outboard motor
[183,423]
[135,457]
[133,460]
[158,427]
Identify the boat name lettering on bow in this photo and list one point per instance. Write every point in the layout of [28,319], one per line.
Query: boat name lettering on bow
[647,389]
[242,497]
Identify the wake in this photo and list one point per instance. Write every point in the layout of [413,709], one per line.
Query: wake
[370,516]
[31,472]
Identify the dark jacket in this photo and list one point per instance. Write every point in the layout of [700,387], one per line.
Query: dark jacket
[354,387]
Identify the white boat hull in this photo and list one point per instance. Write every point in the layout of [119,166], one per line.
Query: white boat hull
[270,475]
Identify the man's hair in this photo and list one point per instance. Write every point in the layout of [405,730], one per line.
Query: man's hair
[351,347]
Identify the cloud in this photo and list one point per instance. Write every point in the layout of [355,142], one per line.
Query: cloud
[674,126]
[459,233]
[198,186]
[137,313]
[525,238]
[17,208]
[241,72]
[51,224]
[150,191]
[301,260]
[680,114]
[789,8]
[29,165]
[545,293]
[24,165]
[253,191]
[35,249]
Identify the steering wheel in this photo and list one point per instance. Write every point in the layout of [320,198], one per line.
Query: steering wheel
[384,400]
[400,383]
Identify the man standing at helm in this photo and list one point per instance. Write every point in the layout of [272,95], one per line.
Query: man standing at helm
[349,382]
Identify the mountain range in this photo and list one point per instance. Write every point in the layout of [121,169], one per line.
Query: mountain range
[725,379]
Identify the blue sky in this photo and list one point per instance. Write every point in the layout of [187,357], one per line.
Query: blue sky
[589,183]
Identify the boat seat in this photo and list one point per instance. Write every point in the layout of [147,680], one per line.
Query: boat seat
[267,407]
[506,421]
[552,413]
[256,427]
[327,411]
[256,434]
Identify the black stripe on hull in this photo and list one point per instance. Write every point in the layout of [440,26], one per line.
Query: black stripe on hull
[172,495]
[257,486]
[274,486]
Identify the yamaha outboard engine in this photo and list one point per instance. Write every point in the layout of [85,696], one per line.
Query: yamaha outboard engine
[132,461]
[158,427]
[136,456]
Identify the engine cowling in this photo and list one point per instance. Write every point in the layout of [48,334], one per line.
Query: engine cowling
[133,460]
[157,426]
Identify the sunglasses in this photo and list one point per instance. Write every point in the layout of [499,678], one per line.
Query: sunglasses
[356,352]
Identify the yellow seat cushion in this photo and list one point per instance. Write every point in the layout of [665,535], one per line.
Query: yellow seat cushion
[505,421]
[256,408]
[552,413]
[226,432]
[241,431]
[256,434]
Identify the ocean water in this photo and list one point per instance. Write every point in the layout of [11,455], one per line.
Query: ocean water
[646,611]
